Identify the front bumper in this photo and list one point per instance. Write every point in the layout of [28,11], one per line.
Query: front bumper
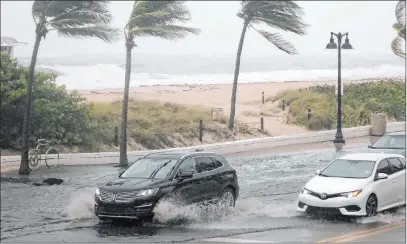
[132,210]
[336,206]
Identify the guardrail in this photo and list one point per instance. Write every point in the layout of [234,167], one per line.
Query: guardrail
[225,147]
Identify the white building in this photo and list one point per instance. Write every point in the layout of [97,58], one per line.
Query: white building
[8,44]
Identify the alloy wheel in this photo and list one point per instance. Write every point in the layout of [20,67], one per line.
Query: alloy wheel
[371,206]
[228,199]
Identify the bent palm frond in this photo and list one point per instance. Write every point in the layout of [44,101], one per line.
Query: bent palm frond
[169,32]
[102,32]
[278,41]
[159,19]
[401,12]
[283,15]
[398,47]
[75,18]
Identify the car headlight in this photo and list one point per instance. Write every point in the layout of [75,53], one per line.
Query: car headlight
[305,191]
[351,194]
[97,192]
[147,192]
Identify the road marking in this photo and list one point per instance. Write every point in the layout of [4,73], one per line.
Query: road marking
[362,233]
[234,240]
[370,234]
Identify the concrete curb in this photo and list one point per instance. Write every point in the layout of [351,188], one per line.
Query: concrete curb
[223,148]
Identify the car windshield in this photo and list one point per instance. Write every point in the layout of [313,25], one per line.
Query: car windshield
[345,168]
[158,168]
[391,142]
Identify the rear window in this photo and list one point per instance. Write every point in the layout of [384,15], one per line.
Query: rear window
[396,165]
[217,162]
[403,162]
[206,164]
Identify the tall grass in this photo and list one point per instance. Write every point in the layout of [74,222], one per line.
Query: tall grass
[150,123]
[358,102]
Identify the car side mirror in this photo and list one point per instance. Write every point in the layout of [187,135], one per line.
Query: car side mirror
[317,172]
[382,176]
[185,175]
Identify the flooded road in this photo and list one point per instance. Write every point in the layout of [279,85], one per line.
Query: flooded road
[269,186]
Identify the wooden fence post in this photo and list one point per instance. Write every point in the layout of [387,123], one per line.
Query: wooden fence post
[262,124]
[116,136]
[283,105]
[262,94]
[309,114]
[200,130]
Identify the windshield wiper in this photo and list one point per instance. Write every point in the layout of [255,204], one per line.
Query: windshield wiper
[158,169]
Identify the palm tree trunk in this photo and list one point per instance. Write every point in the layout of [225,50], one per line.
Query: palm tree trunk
[24,167]
[123,132]
[236,77]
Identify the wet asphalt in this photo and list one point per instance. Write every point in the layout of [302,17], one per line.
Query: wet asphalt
[265,212]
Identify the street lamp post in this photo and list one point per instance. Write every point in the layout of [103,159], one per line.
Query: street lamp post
[339,142]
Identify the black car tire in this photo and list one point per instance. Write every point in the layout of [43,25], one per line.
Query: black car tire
[228,197]
[371,206]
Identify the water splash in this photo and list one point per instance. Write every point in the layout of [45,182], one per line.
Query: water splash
[172,212]
[81,206]
[388,217]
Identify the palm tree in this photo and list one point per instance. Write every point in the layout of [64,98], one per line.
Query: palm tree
[398,44]
[155,19]
[78,19]
[283,15]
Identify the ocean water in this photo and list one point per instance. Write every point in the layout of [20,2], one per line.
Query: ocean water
[107,70]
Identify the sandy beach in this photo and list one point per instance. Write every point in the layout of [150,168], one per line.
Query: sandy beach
[249,108]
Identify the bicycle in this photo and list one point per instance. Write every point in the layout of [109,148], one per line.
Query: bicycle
[35,155]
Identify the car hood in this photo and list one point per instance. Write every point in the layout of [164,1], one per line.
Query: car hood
[332,185]
[131,184]
[387,150]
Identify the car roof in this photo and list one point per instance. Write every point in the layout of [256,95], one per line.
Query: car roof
[369,156]
[179,154]
[398,133]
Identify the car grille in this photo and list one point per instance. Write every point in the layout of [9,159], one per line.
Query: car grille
[125,196]
[315,194]
[120,197]
[120,210]
[117,210]
[106,196]
[320,210]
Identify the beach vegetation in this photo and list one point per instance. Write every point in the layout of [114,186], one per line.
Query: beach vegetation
[359,101]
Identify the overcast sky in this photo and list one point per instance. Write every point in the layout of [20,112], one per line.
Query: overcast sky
[369,24]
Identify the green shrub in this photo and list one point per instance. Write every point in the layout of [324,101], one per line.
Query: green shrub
[358,102]
[56,115]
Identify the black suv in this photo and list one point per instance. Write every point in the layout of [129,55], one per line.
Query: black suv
[189,177]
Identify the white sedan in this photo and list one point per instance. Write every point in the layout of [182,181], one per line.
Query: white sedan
[359,184]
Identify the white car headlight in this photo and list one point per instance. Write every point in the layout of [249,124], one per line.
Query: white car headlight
[351,194]
[97,192]
[304,191]
[147,192]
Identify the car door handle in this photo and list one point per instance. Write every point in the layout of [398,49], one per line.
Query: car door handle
[393,181]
